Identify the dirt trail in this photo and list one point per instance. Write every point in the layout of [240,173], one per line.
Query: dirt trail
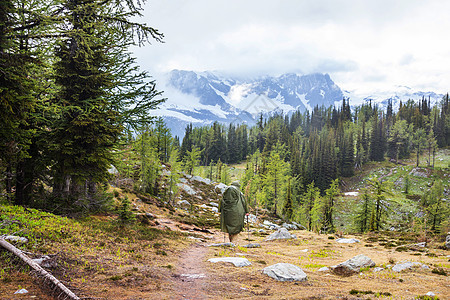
[191,277]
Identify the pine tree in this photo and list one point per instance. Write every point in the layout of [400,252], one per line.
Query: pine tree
[309,199]
[363,213]
[91,122]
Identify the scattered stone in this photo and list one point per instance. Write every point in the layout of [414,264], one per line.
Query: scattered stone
[183,180]
[285,272]
[214,204]
[261,231]
[323,269]
[184,204]
[221,187]
[193,276]
[352,265]
[281,234]
[304,250]
[201,179]
[223,245]
[45,261]
[236,261]
[423,244]
[406,266]
[430,294]
[16,239]
[299,225]
[347,241]
[252,218]
[21,291]
[270,225]
[188,189]
[255,245]
[354,194]
[214,209]
[378,269]
[418,172]
[289,226]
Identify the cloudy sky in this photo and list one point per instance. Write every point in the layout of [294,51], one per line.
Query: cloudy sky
[364,45]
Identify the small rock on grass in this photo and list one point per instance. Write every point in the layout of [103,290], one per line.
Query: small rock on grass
[285,272]
[352,265]
[255,245]
[347,241]
[236,261]
[281,234]
[21,291]
[222,245]
[407,266]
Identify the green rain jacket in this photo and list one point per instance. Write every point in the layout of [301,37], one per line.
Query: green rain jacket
[233,208]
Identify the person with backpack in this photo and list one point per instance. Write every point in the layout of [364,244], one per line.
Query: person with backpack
[233,209]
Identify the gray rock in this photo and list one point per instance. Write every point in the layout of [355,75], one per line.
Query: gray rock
[187,188]
[406,266]
[285,272]
[16,239]
[222,245]
[214,204]
[201,179]
[378,269]
[352,265]
[430,294]
[21,291]
[421,245]
[193,276]
[45,262]
[323,269]
[289,226]
[300,226]
[347,241]
[281,234]
[270,225]
[184,204]
[214,209]
[236,261]
[256,245]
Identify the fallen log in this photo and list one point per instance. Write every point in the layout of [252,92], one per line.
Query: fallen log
[46,276]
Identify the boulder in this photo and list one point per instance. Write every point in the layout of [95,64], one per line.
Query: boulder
[281,234]
[236,261]
[347,241]
[352,265]
[407,266]
[285,272]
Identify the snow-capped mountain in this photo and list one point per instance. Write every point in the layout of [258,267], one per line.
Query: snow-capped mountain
[396,94]
[202,98]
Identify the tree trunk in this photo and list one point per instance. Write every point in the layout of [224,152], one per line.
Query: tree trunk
[39,270]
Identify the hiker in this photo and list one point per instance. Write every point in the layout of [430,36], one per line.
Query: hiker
[233,209]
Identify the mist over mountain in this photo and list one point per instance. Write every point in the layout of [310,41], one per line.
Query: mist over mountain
[202,98]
